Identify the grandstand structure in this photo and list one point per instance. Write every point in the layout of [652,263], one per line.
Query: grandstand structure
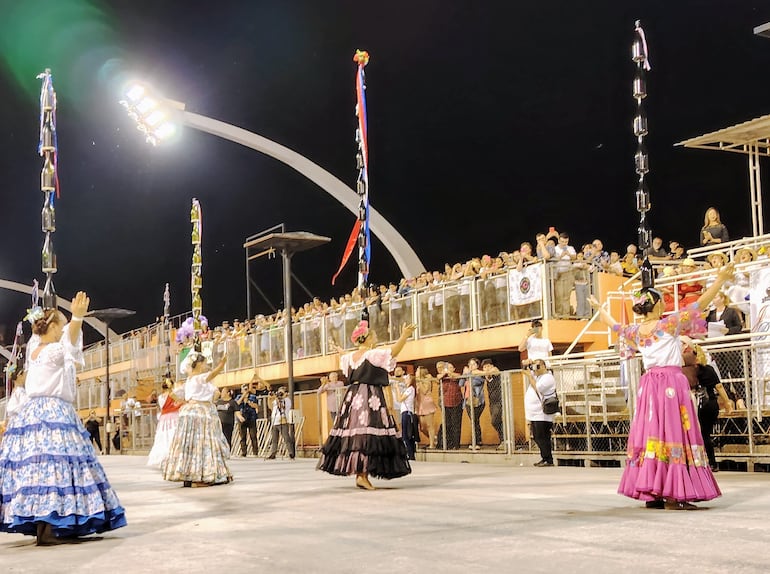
[596,387]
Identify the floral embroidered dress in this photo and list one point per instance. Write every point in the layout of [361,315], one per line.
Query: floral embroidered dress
[364,438]
[665,454]
[48,468]
[199,450]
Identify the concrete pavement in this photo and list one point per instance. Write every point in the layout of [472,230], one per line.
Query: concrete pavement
[284,516]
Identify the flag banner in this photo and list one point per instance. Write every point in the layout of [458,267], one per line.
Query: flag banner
[525,286]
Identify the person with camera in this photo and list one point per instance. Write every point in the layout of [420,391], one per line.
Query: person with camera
[364,440]
[536,346]
[540,385]
[248,403]
[280,415]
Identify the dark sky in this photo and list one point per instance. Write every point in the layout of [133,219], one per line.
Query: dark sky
[488,121]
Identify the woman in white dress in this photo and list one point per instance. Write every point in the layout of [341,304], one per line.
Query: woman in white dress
[167,422]
[199,452]
[51,483]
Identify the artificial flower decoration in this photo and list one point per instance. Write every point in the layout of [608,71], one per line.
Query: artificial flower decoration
[361,57]
[34,314]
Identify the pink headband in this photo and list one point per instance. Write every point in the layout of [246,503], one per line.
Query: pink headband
[361,331]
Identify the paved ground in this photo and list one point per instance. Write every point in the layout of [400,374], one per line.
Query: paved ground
[283,516]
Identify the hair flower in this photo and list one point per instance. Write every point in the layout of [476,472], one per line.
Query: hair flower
[34,314]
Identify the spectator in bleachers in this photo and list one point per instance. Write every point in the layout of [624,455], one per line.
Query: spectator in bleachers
[675,250]
[472,384]
[616,266]
[582,286]
[739,291]
[329,386]
[491,376]
[535,345]
[226,407]
[564,280]
[425,406]
[451,406]
[410,432]
[630,261]
[656,251]
[713,230]
[600,259]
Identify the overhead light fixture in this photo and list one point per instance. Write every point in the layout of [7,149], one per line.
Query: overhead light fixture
[153,115]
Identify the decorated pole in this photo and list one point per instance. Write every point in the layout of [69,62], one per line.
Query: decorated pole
[362,164]
[49,182]
[360,234]
[196,270]
[641,160]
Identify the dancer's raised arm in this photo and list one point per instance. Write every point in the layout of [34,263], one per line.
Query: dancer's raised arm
[79,309]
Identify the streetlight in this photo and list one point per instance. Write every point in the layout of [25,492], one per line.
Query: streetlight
[160,118]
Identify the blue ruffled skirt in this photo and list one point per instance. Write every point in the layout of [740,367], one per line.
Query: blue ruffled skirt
[49,473]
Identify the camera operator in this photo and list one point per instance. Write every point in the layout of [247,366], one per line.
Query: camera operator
[247,402]
[541,383]
[279,417]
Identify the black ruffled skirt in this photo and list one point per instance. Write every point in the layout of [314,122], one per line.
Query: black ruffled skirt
[364,438]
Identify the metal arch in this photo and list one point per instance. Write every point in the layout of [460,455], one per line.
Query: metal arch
[405,257]
[100,326]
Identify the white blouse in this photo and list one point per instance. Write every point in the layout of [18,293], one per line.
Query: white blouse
[378,357]
[197,388]
[52,372]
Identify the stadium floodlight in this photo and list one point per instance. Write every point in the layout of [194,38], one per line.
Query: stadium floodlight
[153,115]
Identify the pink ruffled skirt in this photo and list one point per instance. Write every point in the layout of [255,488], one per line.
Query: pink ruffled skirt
[666,456]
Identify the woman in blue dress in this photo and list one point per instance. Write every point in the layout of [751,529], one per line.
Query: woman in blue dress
[51,484]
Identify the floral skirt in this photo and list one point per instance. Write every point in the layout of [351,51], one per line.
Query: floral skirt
[49,473]
[666,456]
[364,438]
[199,451]
[164,436]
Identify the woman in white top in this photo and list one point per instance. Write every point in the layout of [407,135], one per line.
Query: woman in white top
[51,483]
[199,452]
[409,427]
[667,465]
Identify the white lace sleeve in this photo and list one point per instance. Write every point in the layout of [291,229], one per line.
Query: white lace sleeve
[74,352]
[345,363]
[16,401]
[381,358]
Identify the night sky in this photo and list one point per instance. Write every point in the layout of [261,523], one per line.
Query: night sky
[488,122]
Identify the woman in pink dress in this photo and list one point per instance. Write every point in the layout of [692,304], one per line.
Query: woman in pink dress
[666,464]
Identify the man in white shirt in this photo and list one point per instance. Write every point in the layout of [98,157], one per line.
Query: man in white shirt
[536,346]
[564,280]
[279,417]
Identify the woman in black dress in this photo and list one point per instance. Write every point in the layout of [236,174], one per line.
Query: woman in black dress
[364,440]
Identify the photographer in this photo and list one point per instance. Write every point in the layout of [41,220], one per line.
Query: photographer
[540,384]
[279,417]
[247,402]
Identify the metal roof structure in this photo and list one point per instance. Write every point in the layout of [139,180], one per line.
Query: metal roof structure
[751,138]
